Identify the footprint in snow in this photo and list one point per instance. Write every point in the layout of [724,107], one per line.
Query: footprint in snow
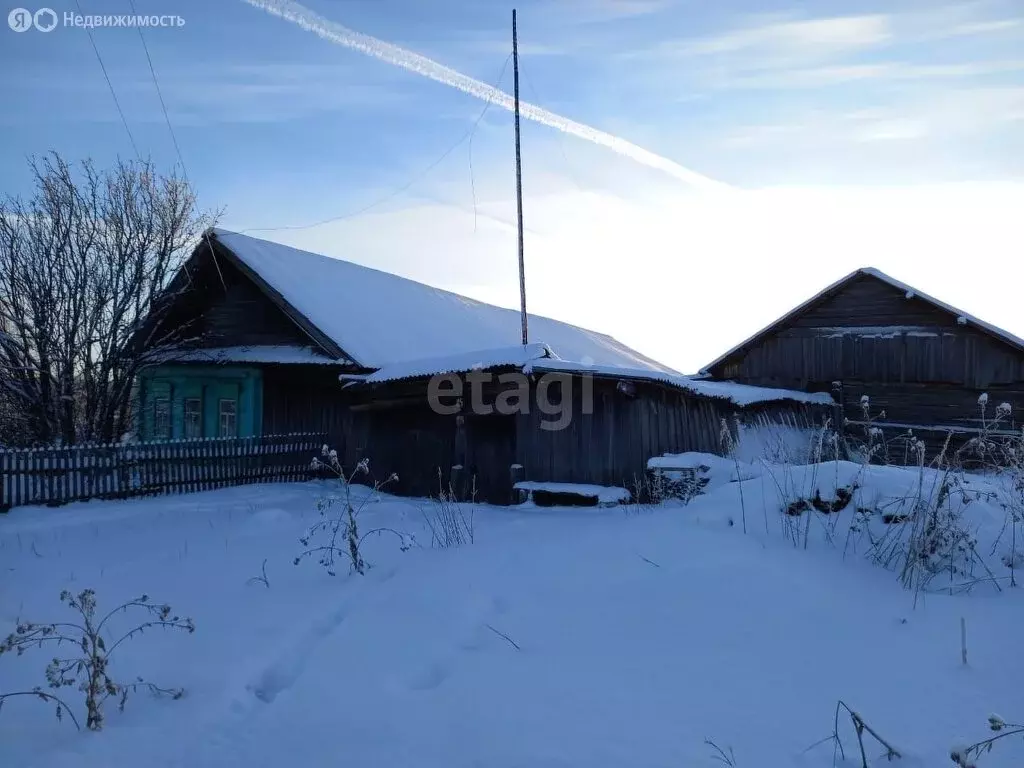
[432,677]
[282,674]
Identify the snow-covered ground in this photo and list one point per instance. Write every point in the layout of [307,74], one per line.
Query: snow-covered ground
[587,637]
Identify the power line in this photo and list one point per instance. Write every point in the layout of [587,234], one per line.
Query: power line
[472,176]
[558,137]
[413,180]
[160,95]
[110,85]
[174,140]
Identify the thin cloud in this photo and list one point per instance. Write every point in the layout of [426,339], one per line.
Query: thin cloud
[767,43]
[817,77]
[606,10]
[433,70]
[949,114]
[804,37]
[219,93]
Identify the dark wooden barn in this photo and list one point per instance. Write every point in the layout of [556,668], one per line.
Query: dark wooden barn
[600,427]
[922,362]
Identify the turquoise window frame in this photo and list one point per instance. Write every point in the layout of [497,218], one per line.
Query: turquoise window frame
[210,384]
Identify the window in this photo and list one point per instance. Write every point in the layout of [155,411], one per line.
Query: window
[193,417]
[228,418]
[161,418]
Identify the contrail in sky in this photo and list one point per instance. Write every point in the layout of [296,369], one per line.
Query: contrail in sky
[421,65]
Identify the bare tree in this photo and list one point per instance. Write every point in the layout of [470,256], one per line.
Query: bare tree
[83,261]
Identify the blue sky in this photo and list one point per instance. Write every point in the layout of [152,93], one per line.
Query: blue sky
[856,133]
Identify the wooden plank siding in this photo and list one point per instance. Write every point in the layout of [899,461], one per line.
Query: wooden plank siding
[222,307]
[866,301]
[914,360]
[800,357]
[305,398]
[611,446]
[239,314]
[393,427]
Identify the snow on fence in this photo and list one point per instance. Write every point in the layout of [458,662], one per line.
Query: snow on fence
[56,476]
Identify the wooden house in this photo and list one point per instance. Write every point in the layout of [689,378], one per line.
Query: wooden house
[281,340]
[921,362]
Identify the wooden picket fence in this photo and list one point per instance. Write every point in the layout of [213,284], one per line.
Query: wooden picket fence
[55,476]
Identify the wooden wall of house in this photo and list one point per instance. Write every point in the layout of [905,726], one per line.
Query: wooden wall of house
[393,427]
[409,440]
[239,313]
[304,398]
[868,301]
[611,445]
[222,308]
[910,358]
[242,314]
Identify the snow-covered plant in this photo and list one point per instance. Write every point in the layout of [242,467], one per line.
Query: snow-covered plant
[724,756]
[925,532]
[338,535]
[1000,451]
[647,490]
[729,445]
[870,444]
[89,665]
[662,484]
[446,519]
[967,756]
[800,493]
[938,539]
[860,729]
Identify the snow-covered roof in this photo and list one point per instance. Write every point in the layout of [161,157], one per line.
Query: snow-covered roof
[462,363]
[962,318]
[252,354]
[738,394]
[380,319]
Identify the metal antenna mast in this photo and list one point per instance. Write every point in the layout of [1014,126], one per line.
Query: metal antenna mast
[519,178]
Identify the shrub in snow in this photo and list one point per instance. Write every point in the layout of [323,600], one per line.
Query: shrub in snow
[867,444]
[801,494]
[683,484]
[729,446]
[338,535]
[930,529]
[925,531]
[860,729]
[1002,454]
[967,756]
[89,666]
[262,578]
[446,519]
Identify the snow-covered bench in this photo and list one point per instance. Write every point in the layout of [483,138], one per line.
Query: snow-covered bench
[680,476]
